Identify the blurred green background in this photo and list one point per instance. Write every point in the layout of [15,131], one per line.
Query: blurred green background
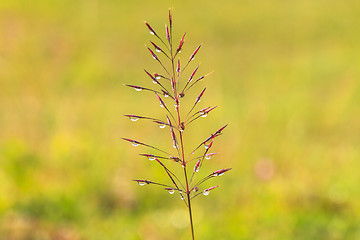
[286,80]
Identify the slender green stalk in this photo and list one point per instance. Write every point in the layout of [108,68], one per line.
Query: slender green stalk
[190,215]
[188,191]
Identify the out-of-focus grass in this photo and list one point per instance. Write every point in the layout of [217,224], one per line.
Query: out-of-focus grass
[286,79]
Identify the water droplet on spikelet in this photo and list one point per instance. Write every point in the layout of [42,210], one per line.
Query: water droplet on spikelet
[135,144]
[206,193]
[171,191]
[162,125]
[141,183]
[134,119]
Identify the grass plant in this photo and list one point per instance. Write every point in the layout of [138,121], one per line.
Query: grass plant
[174,86]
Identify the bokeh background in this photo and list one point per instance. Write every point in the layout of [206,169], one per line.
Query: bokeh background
[286,80]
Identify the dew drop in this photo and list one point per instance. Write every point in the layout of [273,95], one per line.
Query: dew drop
[134,119]
[197,170]
[218,174]
[142,183]
[152,33]
[155,82]
[196,189]
[206,146]
[204,115]
[157,77]
[161,105]
[206,192]
[135,144]
[161,125]
[171,191]
[157,49]
[207,156]
[151,158]
[182,197]
[176,145]
[137,89]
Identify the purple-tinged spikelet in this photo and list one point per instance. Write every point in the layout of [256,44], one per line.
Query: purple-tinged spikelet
[220,172]
[153,54]
[192,57]
[152,31]
[178,50]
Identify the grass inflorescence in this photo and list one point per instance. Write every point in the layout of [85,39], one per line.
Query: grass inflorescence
[172,86]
